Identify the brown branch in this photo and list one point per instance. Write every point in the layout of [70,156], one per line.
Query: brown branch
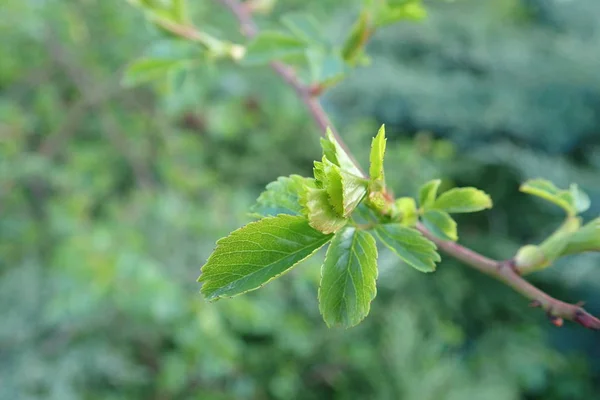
[503,271]
[249,29]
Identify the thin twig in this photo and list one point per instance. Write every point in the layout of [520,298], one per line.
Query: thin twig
[249,29]
[504,271]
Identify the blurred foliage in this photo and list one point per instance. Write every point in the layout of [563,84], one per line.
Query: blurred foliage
[111,199]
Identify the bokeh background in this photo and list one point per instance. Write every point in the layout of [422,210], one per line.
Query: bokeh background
[111,199]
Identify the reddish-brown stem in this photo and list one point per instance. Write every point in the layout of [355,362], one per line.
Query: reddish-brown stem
[503,271]
[305,93]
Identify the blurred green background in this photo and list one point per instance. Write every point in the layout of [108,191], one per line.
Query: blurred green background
[111,199]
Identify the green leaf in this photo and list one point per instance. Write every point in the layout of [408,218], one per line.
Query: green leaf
[358,37]
[571,200]
[282,196]
[326,67]
[148,69]
[321,214]
[354,190]
[585,239]
[408,10]
[348,278]
[339,157]
[329,150]
[463,200]
[428,193]
[406,207]
[376,172]
[581,201]
[333,185]
[344,189]
[180,11]
[272,45]
[304,25]
[319,173]
[257,253]
[441,224]
[412,247]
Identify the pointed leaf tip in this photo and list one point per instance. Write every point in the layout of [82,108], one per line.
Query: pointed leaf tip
[376,171]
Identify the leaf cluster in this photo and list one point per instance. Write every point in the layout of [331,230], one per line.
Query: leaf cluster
[341,207]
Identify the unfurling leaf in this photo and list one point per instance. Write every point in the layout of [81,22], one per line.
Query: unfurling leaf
[573,200]
[282,196]
[406,208]
[273,45]
[587,238]
[428,193]
[412,247]
[463,200]
[348,278]
[319,211]
[257,253]
[337,155]
[441,224]
[377,153]
[344,189]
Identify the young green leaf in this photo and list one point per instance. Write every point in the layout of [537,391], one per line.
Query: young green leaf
[344,189]
[319,211]
[148,69]
[377,153]
[428,193]
[326,66]
[257,253]
[180,11]
[406,208]
[463,200]
[329,150]
[414,249]
[585,239]
[358,37]
[348,278]
[581,201]
[567,199]
[333,185]
[441,224]
[407,10]
[339,156]
[319,173]
[354,190]
[273,45]
[282,196]
[304,25]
